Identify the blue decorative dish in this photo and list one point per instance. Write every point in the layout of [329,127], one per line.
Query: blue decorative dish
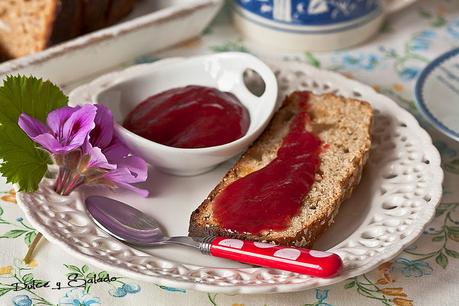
[437,93]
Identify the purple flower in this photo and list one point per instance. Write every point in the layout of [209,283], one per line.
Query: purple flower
[66,129]
[86,148]
[107,150]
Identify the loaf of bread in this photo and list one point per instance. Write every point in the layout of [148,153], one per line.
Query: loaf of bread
[344,127]
[31,26]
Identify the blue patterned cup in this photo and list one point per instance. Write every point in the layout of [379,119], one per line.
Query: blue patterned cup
[312,24]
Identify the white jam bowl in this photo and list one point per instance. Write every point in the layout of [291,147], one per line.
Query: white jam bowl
[122,91]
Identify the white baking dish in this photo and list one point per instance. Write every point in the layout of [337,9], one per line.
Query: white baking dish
[165,24]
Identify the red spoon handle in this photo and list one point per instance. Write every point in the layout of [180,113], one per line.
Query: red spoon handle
[299,260]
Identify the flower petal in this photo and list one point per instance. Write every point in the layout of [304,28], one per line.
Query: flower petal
[116,150]
[142,192]
[102,134]
[96,158]
[51,144]
[136,166]
[123,177]
[77,127]
[31,126]
[58,117]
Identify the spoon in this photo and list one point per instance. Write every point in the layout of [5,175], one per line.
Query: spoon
[134,227]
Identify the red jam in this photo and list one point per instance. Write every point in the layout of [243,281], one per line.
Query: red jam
[190,117]
[269,198]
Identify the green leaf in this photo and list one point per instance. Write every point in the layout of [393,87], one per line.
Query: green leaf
[13,234]
[90,275]
[229,46]
[439,212]
[85,269]
[73,268]
[438,238]
[103,274]
[452,168]
[453,229]
[29,237]
[27,278]
[424,13]
[453,236]
[349,285]
[442,260]
[1,211]
[40,281]
[35,97]
[439,21]
[452,253]
[311,59]
[386,28]
[23,163]
[4,291]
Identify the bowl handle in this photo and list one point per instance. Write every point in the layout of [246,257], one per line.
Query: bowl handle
[247,61]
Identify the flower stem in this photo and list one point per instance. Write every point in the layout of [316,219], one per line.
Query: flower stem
[73,183]
[59,180]
[33,245]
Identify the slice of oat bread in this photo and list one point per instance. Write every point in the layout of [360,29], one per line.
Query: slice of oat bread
[344,127]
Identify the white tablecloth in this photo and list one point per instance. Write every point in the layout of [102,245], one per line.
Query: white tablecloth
[427,273]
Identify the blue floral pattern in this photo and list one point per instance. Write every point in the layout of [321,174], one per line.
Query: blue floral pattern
[124,289]
[453,29]
[312,12]
[422,41]
[22,300]
[390,63]
[77,297]
[412,268]
[353,61]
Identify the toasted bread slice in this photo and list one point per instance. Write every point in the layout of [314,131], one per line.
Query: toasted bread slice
[344,127]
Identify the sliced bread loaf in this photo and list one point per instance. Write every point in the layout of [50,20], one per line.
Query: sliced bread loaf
[31,26]
[343,125]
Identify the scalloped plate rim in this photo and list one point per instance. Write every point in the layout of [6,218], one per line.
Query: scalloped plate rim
[389,253]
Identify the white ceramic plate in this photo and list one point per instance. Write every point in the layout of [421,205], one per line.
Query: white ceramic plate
[437,93]
[400,188]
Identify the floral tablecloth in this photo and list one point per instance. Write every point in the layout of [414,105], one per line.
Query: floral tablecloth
[426,273]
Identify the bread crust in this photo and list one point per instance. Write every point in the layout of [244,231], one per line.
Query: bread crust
[203,224]
[118,9]
[67,21]
[94,15]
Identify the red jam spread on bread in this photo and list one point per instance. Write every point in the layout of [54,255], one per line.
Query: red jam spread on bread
[267,199]
[190,117]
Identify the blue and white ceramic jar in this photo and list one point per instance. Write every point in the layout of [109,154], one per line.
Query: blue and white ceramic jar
[312,24]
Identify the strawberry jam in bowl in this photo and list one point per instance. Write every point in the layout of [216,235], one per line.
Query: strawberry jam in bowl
[185,116]
[165,117]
